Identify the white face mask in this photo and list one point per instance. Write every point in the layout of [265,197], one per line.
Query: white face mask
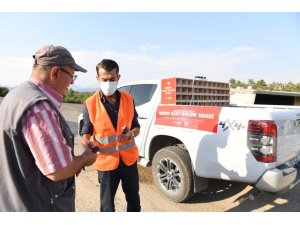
[109,87]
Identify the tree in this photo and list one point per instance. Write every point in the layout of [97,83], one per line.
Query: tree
[252,83]
[3,91]
[232,83]
[261,84]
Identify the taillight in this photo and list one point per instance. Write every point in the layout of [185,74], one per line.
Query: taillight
[262,140]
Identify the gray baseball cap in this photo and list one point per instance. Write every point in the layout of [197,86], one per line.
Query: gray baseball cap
[50,55]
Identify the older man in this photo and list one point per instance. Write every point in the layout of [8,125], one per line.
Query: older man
[37,161]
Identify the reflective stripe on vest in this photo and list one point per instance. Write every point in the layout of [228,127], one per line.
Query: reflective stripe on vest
[106,140]
[115,148]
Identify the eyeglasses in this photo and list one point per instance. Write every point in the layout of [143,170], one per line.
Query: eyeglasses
[73,76]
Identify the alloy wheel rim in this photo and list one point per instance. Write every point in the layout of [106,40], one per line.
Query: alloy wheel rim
[168,175]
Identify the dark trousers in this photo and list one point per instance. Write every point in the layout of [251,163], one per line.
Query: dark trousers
[109,182]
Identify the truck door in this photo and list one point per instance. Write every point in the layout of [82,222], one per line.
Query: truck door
[144,104]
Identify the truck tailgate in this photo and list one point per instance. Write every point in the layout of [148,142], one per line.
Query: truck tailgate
[288,131]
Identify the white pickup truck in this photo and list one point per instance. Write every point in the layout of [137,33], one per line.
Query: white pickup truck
[188,144]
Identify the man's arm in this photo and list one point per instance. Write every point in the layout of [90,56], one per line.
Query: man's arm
[87,158]
[43,135]
[85,139]
[87,129]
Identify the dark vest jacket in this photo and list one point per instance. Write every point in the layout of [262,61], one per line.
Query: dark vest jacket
[22,186]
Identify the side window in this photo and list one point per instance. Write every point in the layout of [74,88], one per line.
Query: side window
[142,93]
[125,88]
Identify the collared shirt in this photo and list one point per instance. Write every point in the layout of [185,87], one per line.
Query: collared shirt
[112,112]
[42,132]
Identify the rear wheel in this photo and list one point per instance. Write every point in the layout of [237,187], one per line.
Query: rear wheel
[172,173]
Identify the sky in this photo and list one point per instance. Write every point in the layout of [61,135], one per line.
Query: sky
[155,45]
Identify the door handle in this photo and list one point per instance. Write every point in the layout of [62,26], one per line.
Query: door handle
[142,118]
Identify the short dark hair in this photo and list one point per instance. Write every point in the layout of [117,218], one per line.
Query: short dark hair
[108,65]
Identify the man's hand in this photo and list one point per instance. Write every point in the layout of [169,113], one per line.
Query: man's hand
[78,163]
[78,172]
[89,156]
[90,145]
[125,137]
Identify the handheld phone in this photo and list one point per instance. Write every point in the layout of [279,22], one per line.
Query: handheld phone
[125,130]
[94,149]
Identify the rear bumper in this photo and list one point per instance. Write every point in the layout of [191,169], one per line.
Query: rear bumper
[279,180]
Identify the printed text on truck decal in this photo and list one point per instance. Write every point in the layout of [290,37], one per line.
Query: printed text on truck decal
[194,117]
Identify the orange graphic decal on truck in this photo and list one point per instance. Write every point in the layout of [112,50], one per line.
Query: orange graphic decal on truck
[194,117]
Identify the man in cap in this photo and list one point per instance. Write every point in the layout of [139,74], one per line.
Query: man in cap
[37,161]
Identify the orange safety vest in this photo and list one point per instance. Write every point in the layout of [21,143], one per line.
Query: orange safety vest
[105,136]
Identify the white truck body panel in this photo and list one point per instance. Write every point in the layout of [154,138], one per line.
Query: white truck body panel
[224,153]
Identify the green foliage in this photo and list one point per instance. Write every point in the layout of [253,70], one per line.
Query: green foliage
[232,83]
[262,85]
[236,83]
[72,96]
[3,91]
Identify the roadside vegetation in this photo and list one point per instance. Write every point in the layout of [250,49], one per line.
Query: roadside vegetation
[3,91]
[72,96]
[262,85]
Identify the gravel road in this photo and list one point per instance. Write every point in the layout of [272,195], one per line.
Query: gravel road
[219,197]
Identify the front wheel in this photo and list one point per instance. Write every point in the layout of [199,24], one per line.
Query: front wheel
[172,173]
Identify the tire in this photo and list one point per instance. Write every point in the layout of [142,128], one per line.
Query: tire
[172,173]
